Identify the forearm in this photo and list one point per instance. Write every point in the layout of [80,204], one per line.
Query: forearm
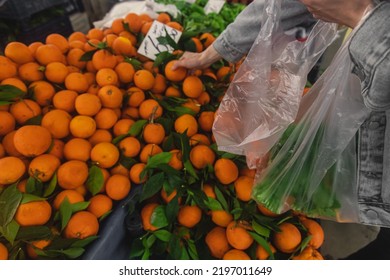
[370,52]
[239,36]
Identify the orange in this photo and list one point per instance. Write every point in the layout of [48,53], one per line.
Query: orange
[192,104]
[235,254]
[245,171]
[65,100]
[2,151]
[204,98]
[76,44]
[82,225]
[186,123]
[24,110]
[117,26]
[132,38]
[32,140]
[134,22]
[130,113]
[110,96]
[309,253]
[130,146]
[120,169]
[176,75]
[106,118]
[105,154]
[34,46]
[146,215]
[100,135]
[9,146]
[36,244]
[18,53]
[106,76]
[16,82]
[146,27]
[201,156]
[262,254]
[172,91]
[125,72]
[118,186]
[209,191]
[265,211]
[43,167]
[99,205]
[103,59]
[42,91]
[123,46]
[217,242]
[56,72]
[176,160]
[56,148]
[148,107]
[175,25]
[7,123]
[95,33]
[135,172]
[237,235]
[206,120]
[87,104]
[8,68]
[225,170]
[77,149]
[223,73]
[207,39]
[135,96]
[199,138]
[3,252]
[122,126]
[73,197]
[77,35]
[168,198]
[57,122]
[192,86]
[153,133]
[160,84]
[149,150]
[58,40]
[189,215]
[243,188]
[72,174]
[163,18]
[34,213]
[30,72]
[198,44]
[82,126]
[49,53]
[221,218]
[144,79]
[77,82]
[314,230]
[11,170]
[74,58]
[288,239]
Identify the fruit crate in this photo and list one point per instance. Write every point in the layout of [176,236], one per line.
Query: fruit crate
[20,9]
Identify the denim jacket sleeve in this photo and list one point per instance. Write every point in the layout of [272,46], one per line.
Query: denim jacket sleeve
[370,52]
[236,40]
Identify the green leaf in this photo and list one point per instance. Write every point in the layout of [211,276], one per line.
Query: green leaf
[88,55]
[10,92]
[263,231]
[192,250]
[158,218]
[37,120]
[190,169]
[263,243]
[304,243]
[72,253]
[221,198]
[30,197]
[163,58]
[158,159]
[10,231]
[34,233]
[9,201]
[171,209]
[150,241]
[137,127]
[152,186]
[175,247]
[95,180]
[79,206]
[146,254]
[213,204]
[137,248]
[136,63]
[163,235]
[51,187]
[34,186]
[65,212]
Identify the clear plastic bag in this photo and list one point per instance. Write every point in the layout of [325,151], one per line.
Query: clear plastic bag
[264,96]
[313,168]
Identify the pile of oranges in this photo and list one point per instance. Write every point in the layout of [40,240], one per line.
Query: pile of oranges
[84,119]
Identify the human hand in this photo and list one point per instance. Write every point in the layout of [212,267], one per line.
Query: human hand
[192,60]
[345,12]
